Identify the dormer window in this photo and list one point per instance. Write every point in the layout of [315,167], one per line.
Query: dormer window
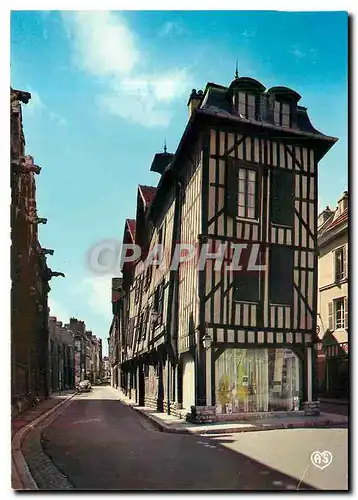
[246,105]
[282,114]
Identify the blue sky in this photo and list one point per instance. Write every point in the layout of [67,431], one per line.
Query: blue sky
[108,87]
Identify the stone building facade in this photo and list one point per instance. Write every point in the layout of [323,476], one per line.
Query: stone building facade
[61,355]
[333,294]
[30,274]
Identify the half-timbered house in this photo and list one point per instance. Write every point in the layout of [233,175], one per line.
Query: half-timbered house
[236,333]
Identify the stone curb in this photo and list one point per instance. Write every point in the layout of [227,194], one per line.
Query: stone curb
[21,475]
[254,428]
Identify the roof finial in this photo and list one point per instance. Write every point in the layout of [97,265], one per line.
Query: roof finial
[165,145]
[237,68]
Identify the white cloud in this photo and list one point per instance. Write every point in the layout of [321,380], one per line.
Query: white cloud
[298,53]
[56,309]
[105,47]
[36,106]
[249,34]
[98,291]
[170,28]
[309,54]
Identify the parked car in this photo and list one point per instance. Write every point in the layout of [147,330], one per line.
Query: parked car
[84,386]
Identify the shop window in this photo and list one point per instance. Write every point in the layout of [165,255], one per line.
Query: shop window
[257,380]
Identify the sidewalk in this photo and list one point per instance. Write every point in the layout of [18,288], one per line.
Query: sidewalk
[43,406]
[21,478]
[170,423]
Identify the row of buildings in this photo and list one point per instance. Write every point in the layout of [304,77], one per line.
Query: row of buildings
[230,339]
[75,354]
[46,356]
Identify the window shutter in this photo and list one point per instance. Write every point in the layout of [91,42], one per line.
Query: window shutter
[330,316]
[346,313]
[281,275]
[282,196]
[247,286]
[232,187]
[345,261]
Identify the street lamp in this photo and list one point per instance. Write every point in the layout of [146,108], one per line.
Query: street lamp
[207,343]
[318,344]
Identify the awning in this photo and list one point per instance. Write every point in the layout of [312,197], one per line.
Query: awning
[341,335]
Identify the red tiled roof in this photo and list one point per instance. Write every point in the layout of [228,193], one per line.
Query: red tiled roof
[131,226]
[148,193]
[341,218]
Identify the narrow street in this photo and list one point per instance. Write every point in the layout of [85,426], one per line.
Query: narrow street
[99,443]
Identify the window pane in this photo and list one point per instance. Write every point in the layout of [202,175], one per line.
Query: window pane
[241,186]
[242,173]
[285,120]
[252,175]
[285,109]
[251,200]
[251,213]
[277,113]
[250,113]
[339,264]
[251,188]
[241,200]
[339,305]
[242,97]
[241,211]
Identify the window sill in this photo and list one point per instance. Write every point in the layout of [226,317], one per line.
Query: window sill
[244,219]
[283,226]
[240,301]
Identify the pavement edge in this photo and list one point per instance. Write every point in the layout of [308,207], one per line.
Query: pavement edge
[254,428]
[21,478]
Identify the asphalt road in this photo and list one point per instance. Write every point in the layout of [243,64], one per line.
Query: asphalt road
[338,409]
[100,444]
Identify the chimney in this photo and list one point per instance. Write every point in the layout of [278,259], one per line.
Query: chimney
[323,216]
[194,100]
[343,202]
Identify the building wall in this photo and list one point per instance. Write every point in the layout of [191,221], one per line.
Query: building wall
[188,381]
[190,229]
[293,322]
[29,274]
[328,289]
[61,355]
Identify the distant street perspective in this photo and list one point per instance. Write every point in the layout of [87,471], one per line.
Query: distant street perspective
[180,259]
